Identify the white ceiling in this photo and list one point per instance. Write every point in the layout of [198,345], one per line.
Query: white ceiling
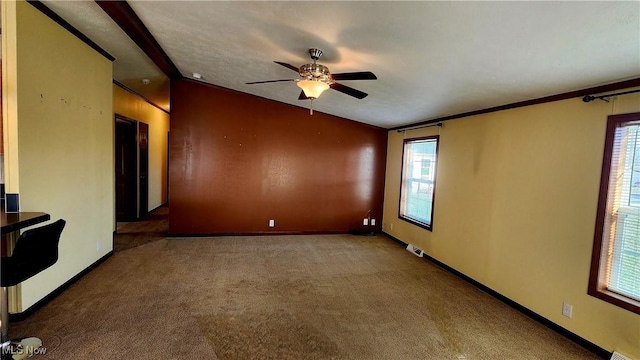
[432,59]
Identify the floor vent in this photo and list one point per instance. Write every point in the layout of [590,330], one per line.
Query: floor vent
[414,250]
[617,356]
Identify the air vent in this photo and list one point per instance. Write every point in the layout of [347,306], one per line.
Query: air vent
[617,356]
[414,250]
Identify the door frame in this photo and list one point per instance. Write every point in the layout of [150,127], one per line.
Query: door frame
[143,169]
[141,160]
[125,168]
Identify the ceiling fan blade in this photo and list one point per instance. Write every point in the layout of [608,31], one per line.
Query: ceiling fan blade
[269,81]
[362,75]
[302,96]
[294,68]
[349,91]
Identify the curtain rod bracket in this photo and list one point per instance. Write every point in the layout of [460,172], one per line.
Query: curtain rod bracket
[588,98]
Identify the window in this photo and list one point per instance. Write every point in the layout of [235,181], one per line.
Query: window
[418,180]
[615,263]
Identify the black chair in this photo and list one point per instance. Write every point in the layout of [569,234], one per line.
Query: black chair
[35,250]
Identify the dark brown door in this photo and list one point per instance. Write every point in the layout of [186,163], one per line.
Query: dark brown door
[126,170]
[143,136]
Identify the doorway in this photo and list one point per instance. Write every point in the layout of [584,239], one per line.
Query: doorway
[131,169]
[143,169]
[126,164]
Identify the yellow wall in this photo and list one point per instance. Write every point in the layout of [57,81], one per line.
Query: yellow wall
[131,106]
[9,101]
[515,209]
[64,141]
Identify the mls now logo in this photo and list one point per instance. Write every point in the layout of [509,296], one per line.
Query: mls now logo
[20,351]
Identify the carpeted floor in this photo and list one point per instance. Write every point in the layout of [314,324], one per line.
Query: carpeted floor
[152,228]
[280,297]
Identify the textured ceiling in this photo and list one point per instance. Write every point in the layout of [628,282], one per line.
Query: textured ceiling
[131,64]
[432,59]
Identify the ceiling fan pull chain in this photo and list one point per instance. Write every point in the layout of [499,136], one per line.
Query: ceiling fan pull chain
[311,107]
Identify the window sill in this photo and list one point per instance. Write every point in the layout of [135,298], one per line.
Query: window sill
[616,299]
[416,223]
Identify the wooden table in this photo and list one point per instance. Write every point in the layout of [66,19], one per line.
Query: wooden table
[11,223]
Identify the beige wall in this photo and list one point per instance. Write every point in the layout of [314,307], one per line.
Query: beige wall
[131,106]
[515,209]
[9,100]
[63,141]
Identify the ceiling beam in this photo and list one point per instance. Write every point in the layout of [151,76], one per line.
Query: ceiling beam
[60,21]
[122,13]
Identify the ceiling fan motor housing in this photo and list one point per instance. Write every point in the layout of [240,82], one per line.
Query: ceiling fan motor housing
[316,78]
[315,72]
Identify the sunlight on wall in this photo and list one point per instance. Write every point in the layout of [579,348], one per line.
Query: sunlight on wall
[515,209]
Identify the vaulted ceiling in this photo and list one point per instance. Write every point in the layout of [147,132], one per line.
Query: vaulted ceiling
[432,59]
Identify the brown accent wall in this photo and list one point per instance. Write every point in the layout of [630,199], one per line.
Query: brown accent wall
[237,160]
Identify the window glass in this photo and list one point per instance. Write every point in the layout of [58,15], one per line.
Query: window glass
[615,267]
[624,234]
[418,180]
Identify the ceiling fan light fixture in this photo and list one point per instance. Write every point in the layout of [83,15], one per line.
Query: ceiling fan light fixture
[312,88]
[316,78]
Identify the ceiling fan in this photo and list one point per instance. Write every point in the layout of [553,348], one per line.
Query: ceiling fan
[316,78]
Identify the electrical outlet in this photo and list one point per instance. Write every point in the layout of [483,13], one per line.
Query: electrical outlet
[272,223]
[373,222]
[567,310]
[98,246]
[390,226]
[365,221]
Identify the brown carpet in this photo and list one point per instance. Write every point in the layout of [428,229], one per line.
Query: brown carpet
[154,227]
[281,297]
